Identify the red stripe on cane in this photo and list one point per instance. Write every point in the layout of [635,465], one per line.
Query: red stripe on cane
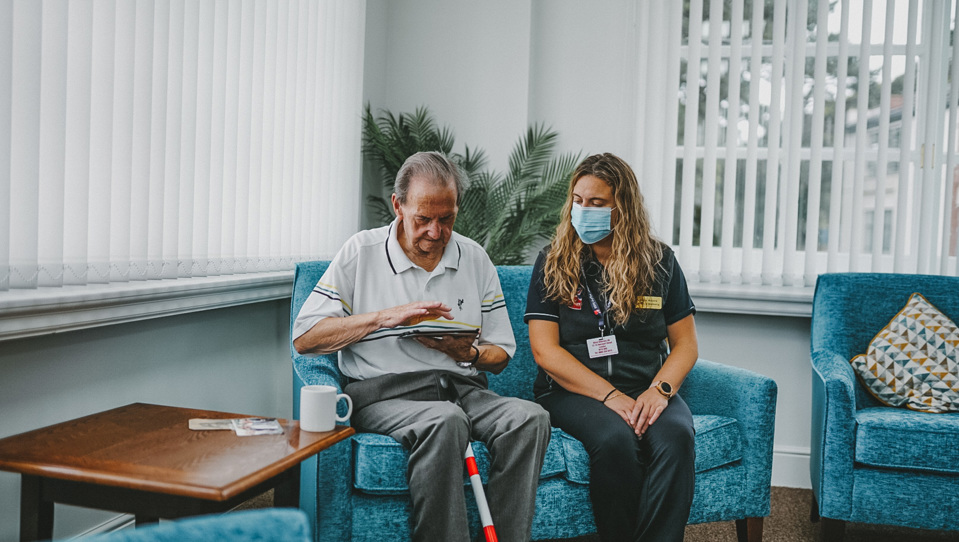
[490,533]
[471,467]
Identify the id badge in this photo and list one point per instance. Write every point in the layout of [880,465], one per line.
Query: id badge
[601,347]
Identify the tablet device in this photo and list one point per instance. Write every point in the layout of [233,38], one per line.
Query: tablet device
[439,334]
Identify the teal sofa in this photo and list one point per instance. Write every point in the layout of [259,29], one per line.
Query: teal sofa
[871,463]
[357,489]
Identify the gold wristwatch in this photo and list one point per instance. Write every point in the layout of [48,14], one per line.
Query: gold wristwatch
[664,388]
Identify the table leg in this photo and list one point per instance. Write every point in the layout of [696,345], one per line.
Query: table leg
[36,515]
[287,493]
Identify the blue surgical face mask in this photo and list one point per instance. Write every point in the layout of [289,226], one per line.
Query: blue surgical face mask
[591,223]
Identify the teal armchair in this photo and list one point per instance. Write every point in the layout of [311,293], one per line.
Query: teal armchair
[870,463]
[356,490]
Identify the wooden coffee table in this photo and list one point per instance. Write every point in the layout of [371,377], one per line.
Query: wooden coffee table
[144,460]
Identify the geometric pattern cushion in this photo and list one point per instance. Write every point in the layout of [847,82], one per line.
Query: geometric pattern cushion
[914,361]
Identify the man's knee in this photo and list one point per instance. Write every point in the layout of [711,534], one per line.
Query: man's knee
[444,422]
[528,416]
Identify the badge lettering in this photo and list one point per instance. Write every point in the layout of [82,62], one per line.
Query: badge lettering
[649,302]
[601,347]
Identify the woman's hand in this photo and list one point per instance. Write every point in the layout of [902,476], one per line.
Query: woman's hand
[621,404]
[646,410]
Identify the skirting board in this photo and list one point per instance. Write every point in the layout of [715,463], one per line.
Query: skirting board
[123,521]
[791,467]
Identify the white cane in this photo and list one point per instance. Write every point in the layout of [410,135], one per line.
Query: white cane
[481,504]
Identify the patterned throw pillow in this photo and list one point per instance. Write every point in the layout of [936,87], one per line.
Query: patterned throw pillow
[914,361]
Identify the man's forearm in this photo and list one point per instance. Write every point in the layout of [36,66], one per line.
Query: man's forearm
[491,358]
[335,333]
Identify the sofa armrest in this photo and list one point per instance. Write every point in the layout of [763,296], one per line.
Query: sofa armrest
[264,525]
[321,369]
[326,480]
[833,428]
[750,398]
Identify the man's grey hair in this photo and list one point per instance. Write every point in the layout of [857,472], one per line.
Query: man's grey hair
[435,166]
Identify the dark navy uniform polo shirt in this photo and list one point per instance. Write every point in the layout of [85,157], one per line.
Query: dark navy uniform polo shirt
[641,342]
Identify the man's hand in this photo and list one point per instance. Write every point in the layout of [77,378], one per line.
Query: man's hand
[332,334]
[413,313]
[457,346]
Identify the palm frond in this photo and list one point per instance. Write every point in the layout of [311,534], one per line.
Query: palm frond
[381,209]
[506,213]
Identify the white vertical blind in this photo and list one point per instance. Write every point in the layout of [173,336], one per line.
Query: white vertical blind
[907,155]
[53,103]
[948,264]
[730,273]
[747,266]
[789,202]
[859,173]
[707,273]
[838,140]
[815,160]
[6,125]
[179,138]
[686,193]
[770,272]
[25,141]
[841,155]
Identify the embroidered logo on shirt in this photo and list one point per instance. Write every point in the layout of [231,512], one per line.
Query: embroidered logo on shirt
[578,304]
[459,303]
[649,302]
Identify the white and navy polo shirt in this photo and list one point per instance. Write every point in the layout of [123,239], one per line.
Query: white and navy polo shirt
[371,272]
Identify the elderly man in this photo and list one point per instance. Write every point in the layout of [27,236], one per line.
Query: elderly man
[383,292]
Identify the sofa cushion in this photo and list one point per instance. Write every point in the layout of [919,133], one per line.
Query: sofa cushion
[914,360]
[380,462]
[902,439]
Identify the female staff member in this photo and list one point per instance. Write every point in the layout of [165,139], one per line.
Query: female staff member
[605,300]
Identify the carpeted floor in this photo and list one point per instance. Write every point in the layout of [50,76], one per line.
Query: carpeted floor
[788,521]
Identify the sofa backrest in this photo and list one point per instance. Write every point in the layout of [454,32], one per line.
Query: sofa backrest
[849,309]
[516,380]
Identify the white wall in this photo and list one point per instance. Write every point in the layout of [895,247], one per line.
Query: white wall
[490,69]
[777,347]
[235,359]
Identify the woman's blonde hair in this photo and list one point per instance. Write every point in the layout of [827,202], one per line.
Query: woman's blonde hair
[631,269]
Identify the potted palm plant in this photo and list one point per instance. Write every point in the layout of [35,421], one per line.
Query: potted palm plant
[510,214]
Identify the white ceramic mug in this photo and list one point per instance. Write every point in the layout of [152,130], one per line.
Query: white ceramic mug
[318,408]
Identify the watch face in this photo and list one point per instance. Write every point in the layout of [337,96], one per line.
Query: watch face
[666,387]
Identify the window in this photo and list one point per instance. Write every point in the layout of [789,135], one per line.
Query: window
[161,140]
[802,136]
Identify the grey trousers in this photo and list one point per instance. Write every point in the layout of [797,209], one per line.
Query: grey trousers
[436,432]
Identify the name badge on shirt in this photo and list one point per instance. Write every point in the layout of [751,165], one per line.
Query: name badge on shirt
[649,302]
[602,346]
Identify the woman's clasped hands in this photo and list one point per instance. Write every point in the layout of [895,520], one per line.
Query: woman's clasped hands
[641,412]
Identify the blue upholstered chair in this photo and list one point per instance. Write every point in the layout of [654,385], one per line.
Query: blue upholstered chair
[872,463]
[356,490]
[263,525]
